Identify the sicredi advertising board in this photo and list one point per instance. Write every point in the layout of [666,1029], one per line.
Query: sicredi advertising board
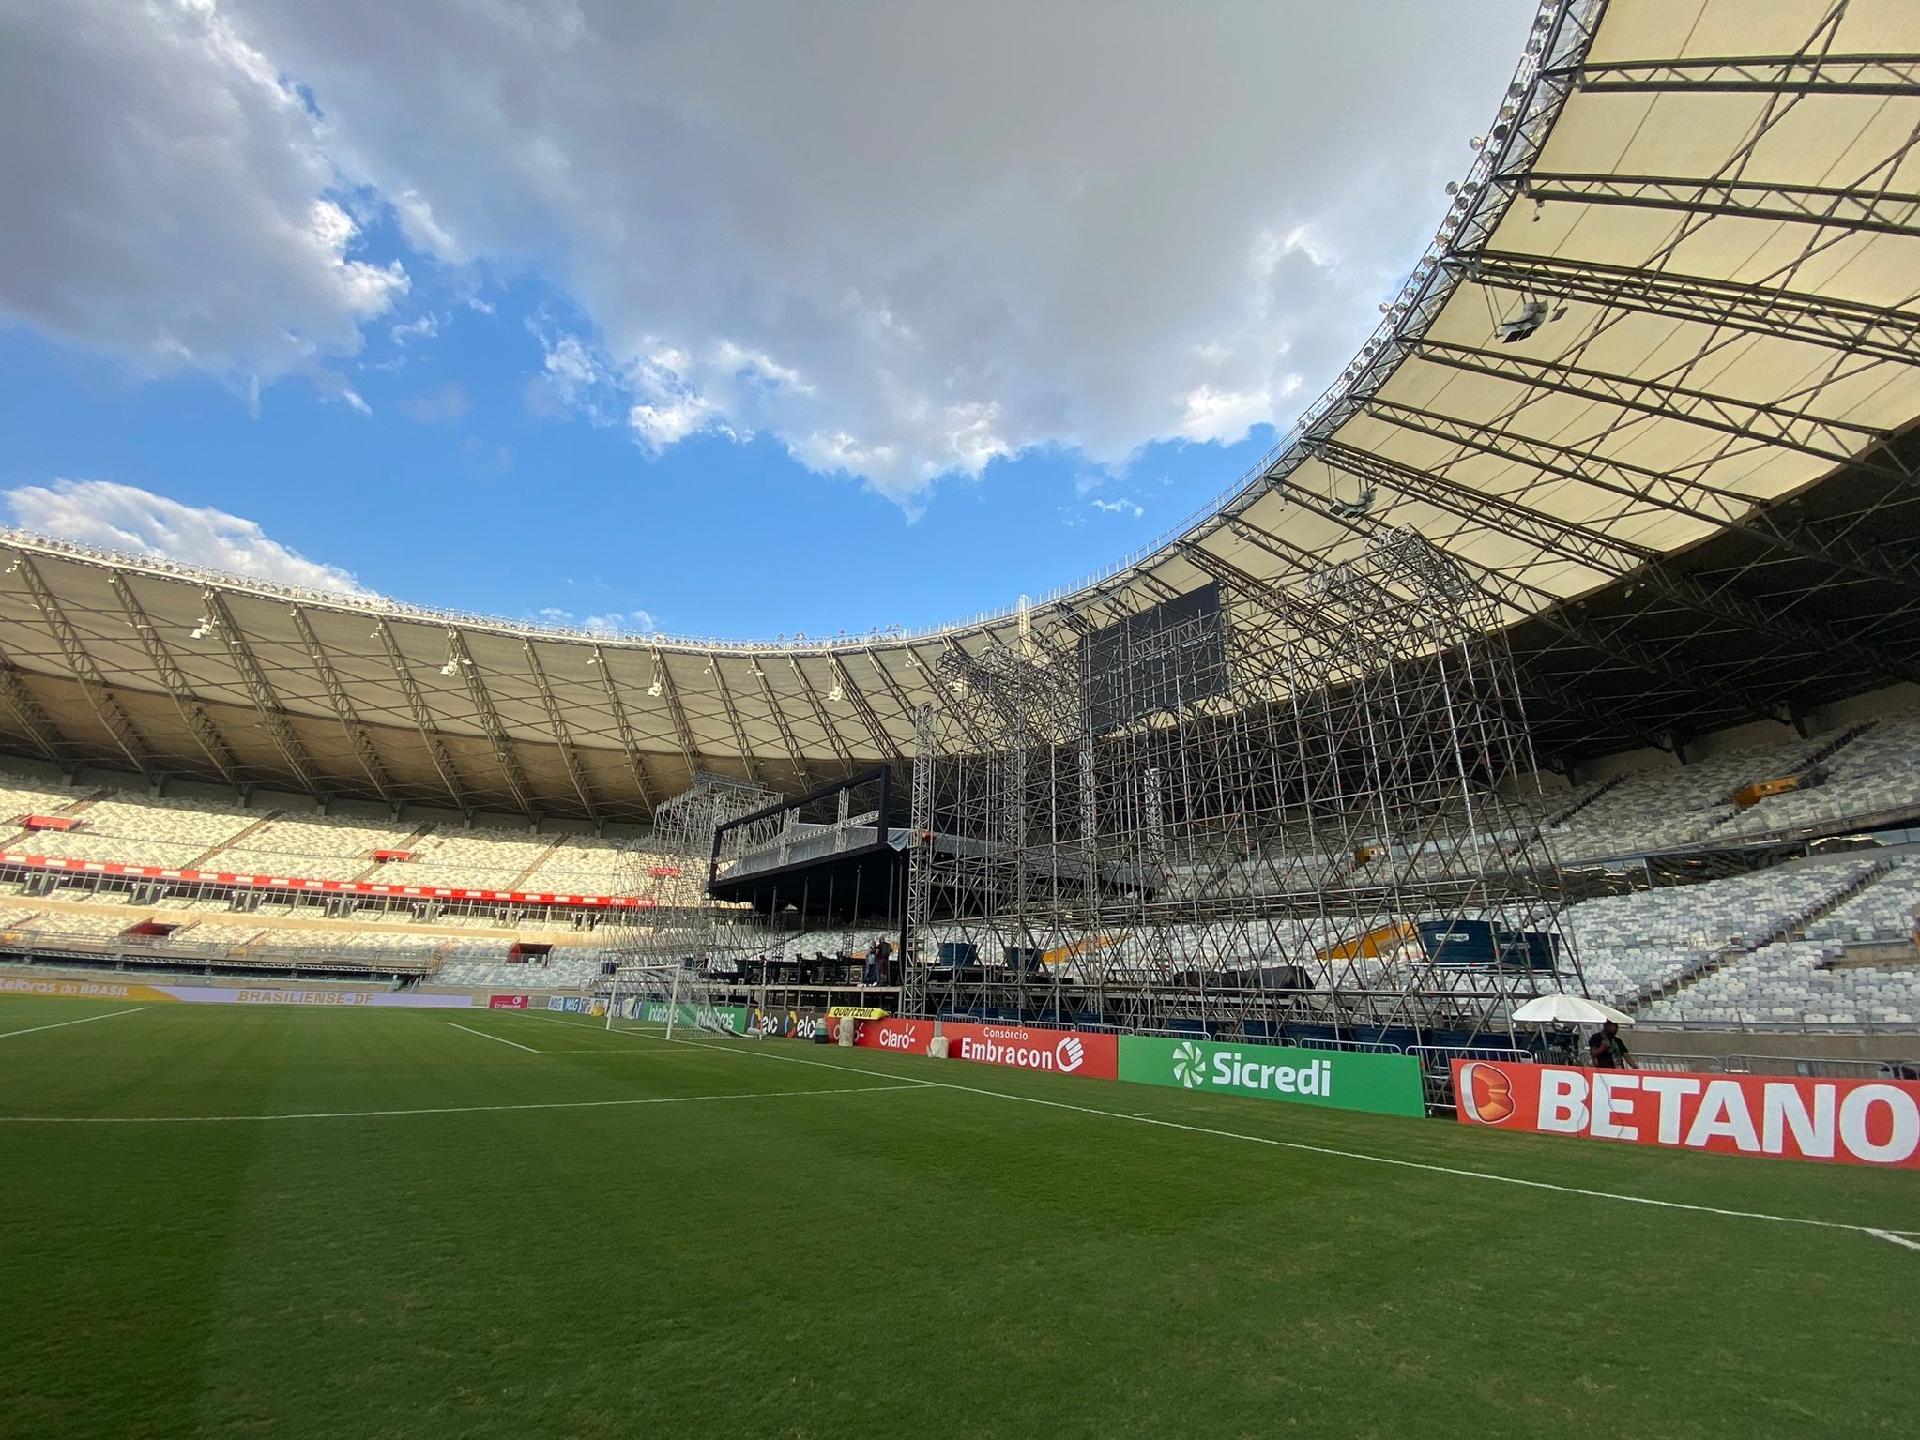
[1340,1079]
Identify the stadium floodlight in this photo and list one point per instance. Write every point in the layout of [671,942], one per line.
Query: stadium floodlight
[836,694]
[202,628]
[452,667]
[653,690]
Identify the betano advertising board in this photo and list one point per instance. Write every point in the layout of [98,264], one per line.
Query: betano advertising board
[1853,1122]
[1341,1079]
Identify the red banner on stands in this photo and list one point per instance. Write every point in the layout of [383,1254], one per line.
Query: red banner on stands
[506,1002]
[1064,1052]
[1853,1122]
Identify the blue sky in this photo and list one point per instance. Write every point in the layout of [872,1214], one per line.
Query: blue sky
[552,311]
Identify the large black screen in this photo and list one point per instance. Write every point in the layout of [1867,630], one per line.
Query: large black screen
[1161,659]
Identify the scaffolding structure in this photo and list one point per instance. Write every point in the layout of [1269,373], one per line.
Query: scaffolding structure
[673,867]
[1249,808]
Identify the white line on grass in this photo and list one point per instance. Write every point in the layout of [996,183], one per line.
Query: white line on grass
[501,1038]
[1897,1237]
[438,1109]
[61,1024]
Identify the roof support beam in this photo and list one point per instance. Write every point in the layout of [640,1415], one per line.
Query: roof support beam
[1659,489]
[1550,686]
[562,737]
[489,714]
[1806,74]
[1619,558]
[160,656]
[1823,320]
[357,733]
[636,767]
[883,741]
[1839,207]
[92,685]
[747,760]
[683,732]
[423,718]
[27,714]
[1531,601]
[800,765]
[1551,610]
[820,716]
[1840,441]
[273,717]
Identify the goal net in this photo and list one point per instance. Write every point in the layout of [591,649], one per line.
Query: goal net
[670,999]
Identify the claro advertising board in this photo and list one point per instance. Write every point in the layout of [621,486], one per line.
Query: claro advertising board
[1341,1079]
[1853,1122]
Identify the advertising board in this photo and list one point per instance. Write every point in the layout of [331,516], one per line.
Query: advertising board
[1024,1047]
[1342,1079]
[907,1036]
[1853,1122]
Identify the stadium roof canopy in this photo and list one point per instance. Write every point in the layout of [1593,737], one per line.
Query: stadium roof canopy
[1689,480]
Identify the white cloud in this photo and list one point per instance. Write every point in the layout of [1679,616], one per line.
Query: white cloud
[424,327]
[627,622]
[1119,507]
[123,517]
[438,403]
[1139,240]
[797,221]
[1211,414]
[167,195]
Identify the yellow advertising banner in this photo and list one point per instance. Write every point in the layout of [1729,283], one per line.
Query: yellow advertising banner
[82,989]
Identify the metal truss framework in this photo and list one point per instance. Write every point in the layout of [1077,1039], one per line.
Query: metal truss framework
[358,736]
[266,703]
[671,871]
[562,735]
[1245,828]
[87,674]
[1698,381]
[1808,74]
[423,719]
[623,727]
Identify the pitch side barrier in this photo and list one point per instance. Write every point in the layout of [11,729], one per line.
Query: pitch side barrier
[1790,1117]
[1338,1079]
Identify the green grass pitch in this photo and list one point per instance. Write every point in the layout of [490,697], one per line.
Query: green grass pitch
[611,1235]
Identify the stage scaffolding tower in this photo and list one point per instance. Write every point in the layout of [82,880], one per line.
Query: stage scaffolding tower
[673,866]
[1239,810]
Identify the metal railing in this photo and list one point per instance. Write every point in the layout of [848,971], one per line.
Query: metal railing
[1709,1064]
[1813,1066]
[1436,1067]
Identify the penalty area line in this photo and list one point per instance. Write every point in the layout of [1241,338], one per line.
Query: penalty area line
[501,1038]
[439,1109]
[62,1024]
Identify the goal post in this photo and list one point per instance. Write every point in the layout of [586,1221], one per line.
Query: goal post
[668,999]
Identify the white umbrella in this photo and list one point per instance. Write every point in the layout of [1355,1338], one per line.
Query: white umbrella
[1559,1009]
